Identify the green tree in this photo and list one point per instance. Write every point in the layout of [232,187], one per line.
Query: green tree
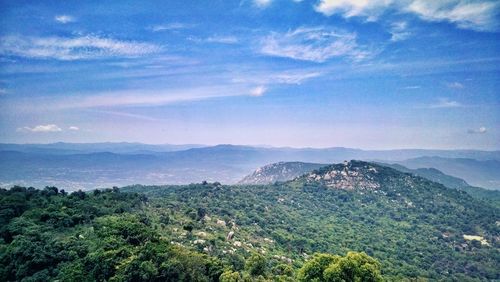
[256,265]
[354,267]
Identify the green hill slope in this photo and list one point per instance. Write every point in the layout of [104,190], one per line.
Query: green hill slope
[414,227]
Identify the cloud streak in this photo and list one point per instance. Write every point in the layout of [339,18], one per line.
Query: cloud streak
[64,19]
[77,48]
[138,98]
[315,44]
[258,91]
[476,15]
[445,103]
[399,31]
[455,85]
[481,130]
[40,128]
[170,27]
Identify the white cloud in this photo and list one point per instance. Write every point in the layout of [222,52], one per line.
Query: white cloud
[64,19]
[350,8]
[222,39]
[138,97]
[41,128]
[262,3]
[285,77]
[481,130]
[85,47]
[170,26]
[317,44]
[73,128]
[3,91]
[399,31]
[258,91]
[412,87]
[477,15]
[455,85]
[445,103]
[294,78]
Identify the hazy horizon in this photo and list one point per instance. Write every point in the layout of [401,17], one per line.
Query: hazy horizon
[256,146]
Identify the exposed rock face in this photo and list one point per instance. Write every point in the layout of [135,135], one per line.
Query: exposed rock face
[282,171]
[350,175]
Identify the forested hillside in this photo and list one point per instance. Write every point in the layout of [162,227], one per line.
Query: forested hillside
[349,221]
[48,235]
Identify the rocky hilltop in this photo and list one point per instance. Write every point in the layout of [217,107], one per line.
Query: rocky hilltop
[279,172]
[358,175]
[349,175]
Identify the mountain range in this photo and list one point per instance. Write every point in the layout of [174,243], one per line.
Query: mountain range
[87,166]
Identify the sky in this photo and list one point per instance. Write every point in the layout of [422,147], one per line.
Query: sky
[379,74]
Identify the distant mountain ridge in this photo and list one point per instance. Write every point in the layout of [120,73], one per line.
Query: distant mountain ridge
[483,173]
[84,166]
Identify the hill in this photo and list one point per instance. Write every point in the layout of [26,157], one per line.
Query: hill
[285,171]
[451,182]
[415,227]
[279,172]
[87,166]
[482,173]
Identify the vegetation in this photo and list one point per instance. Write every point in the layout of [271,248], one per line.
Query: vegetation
[407,229]
[104,236]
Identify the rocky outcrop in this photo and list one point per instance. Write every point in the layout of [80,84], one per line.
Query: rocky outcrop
[349,175]
[279,172]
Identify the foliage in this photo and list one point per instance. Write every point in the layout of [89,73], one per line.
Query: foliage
[412,226]
[353,267]
[409,228]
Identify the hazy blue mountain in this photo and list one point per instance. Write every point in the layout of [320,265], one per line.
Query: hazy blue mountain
[112,147]
[482,173]
[450,182]
[279,172]
[83,166]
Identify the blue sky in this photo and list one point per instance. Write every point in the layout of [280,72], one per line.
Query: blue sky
[322,73]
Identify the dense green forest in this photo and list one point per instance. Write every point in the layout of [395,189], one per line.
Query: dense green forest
[105,235]
[304,230]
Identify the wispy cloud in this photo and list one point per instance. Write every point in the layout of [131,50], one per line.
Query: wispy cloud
[283,77]
[478,15]
[399,31]
[40,128]
[481,130]
[170,26]
[222,39]
[77,48]
[348,8]
[445,103]
[412,87]
[454,85]
[64,19]
[258,91]
[227,39]
[3,91]
[73,128]
[126,114]
[138,98]
[316,44]
[262,3]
